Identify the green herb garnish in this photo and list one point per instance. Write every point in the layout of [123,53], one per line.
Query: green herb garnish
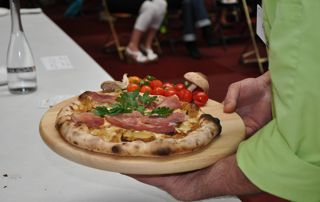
[150,78]
[128,102]
[161,112]
[145,99]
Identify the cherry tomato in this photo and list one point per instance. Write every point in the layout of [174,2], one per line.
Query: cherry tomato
[170,91]
[134,79]
[180,86]
[158,91]
[156,83]
[200,98]
[132,87]
[185,95]
[167,85]
[144,89]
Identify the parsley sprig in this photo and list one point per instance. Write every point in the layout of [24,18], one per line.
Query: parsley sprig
[128,102]
[160,111]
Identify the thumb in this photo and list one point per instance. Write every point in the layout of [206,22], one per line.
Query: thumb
[230,101]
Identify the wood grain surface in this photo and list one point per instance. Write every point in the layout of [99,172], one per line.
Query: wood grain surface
[233,132]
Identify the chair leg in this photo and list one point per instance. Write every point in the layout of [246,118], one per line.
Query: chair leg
[255,51]
[115,37]
[110,19]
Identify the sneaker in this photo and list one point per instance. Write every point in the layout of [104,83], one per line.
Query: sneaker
[135,56]
[151,56]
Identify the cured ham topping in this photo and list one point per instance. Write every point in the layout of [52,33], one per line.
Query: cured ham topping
[88,118]
[173,119]
[101,98]
[137,121]
[171,102]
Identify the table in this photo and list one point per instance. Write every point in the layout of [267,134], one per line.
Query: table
[29,170]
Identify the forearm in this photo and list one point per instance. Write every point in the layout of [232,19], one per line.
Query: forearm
[228,179]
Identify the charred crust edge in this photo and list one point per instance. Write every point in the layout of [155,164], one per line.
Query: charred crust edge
[163,151]
[58,126]
[84,95]
[214,120]
[116,149]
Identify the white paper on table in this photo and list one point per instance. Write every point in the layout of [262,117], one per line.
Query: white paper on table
[49,102]
[53,63]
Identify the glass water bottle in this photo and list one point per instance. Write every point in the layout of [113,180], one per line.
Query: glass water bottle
[22,78]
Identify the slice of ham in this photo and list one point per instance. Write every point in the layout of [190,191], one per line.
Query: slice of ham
[171,102]
[88,118]
[173,119]
[101,98]
[137,121]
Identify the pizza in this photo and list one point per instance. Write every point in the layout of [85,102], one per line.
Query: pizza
[141,122]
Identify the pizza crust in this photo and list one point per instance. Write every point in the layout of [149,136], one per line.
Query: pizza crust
[79,136]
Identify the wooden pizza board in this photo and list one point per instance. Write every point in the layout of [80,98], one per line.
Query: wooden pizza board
[233,132]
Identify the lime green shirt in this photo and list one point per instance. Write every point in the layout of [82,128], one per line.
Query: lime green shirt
[283,158]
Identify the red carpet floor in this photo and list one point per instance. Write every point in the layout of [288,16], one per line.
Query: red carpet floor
[222,66]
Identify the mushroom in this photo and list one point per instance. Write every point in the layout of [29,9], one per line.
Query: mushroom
[111,86]
[197,79]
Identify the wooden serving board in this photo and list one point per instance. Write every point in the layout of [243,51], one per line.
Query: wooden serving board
[233,132]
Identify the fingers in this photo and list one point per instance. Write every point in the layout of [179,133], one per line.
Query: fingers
[230,101]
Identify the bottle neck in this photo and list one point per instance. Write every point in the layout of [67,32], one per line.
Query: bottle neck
[16,25]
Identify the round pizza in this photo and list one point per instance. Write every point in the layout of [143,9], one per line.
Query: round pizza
[147,122]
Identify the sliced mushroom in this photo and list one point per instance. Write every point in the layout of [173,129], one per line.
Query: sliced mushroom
[111,86]
[197,79]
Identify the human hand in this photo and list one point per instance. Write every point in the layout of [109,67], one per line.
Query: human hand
[222,178]
[251,99]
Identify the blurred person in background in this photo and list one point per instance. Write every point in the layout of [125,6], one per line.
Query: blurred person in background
[194,15]
[149,19]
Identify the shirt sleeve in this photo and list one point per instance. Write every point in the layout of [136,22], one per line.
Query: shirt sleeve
[283,158]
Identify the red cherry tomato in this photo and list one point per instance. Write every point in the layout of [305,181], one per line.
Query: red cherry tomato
[167,85]
[156,83]
[179,86]
[185,95]
[200,98]
[132,87]
[158,91]
[170,91]
[144,89]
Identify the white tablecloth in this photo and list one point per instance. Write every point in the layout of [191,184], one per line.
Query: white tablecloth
[29,170]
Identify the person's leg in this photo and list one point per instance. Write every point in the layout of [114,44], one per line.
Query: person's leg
[141,25]
[151,34]
[188,21]
[189,32]
[159,11]
[135,40]
[200,13]
[203,21]
[151,55]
